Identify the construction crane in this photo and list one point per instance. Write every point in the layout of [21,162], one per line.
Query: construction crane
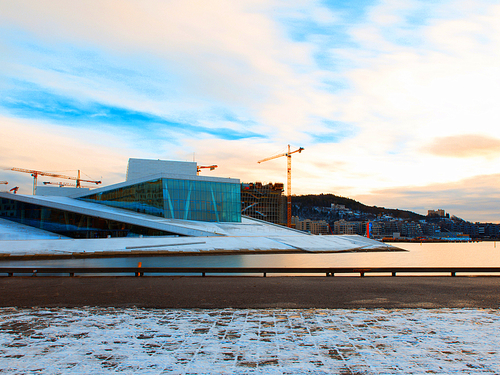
[3,182]
[200,167]
[35,175]
[61,184]
[289,181]
[58,183]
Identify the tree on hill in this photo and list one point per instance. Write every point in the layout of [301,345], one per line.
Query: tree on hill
[326,200]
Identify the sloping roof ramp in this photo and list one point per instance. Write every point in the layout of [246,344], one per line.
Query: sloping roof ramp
[198,236]
[329,243]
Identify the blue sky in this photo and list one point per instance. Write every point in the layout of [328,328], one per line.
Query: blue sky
[395,102]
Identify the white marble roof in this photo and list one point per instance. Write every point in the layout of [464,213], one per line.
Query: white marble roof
[189,236]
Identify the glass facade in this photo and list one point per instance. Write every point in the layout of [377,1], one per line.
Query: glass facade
[178,199]
[264,202]
[70,224]
[146,197]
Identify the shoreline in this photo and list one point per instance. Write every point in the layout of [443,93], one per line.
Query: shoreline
[166,253]
[393,240]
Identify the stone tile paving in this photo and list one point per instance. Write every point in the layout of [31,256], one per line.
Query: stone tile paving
[228,341]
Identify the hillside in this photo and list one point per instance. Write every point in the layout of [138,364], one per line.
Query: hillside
[304,203]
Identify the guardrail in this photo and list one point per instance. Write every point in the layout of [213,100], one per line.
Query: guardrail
[203,271]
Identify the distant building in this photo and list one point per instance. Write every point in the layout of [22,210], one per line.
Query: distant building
[381,229]
[349,227]
[264,202]
[411,229]
[339,207]
[312,226]
[437,213]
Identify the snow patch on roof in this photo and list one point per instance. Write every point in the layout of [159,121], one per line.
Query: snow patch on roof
[190,244]
[10,230]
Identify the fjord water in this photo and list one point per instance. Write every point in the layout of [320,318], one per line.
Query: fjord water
[473,254]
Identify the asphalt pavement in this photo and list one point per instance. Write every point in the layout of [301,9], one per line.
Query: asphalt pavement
[252,292]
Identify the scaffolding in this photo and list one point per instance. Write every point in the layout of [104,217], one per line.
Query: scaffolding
[264,202]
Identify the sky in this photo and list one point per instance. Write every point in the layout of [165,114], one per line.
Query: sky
[394,102]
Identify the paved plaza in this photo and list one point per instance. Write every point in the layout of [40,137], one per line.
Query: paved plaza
[250,341]
[213,292]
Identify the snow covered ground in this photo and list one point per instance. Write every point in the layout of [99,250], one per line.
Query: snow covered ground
[228,341]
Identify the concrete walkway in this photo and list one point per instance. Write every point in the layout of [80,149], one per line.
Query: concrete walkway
[249,341]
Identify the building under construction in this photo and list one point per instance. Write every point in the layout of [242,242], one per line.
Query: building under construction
[264,202]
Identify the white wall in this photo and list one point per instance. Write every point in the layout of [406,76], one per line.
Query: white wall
[140,168]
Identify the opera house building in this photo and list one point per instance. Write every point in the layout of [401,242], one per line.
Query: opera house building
[163,206]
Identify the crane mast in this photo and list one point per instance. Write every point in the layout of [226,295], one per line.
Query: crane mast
[288,182]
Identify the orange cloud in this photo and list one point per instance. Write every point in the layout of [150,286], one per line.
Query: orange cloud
[475,198]
[465,146]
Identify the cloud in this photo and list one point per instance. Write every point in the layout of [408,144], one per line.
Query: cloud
[473,199]
[377,93]
[442,81]
[225,54]
[34,102]
[54,148]
[465,146]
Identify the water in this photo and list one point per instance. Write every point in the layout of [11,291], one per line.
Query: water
[475,254]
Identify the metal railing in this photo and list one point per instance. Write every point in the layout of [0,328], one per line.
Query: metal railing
[203,271]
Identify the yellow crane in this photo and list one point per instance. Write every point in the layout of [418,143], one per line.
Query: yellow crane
[35,175]
[200,167]
[289,181]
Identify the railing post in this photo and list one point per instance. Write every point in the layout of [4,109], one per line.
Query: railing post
[139,265]
[138,271]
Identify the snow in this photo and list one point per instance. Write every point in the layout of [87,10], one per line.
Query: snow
[10,230]
[192,244]
[229,341]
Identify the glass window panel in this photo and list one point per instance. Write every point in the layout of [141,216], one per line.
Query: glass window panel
[152,198]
